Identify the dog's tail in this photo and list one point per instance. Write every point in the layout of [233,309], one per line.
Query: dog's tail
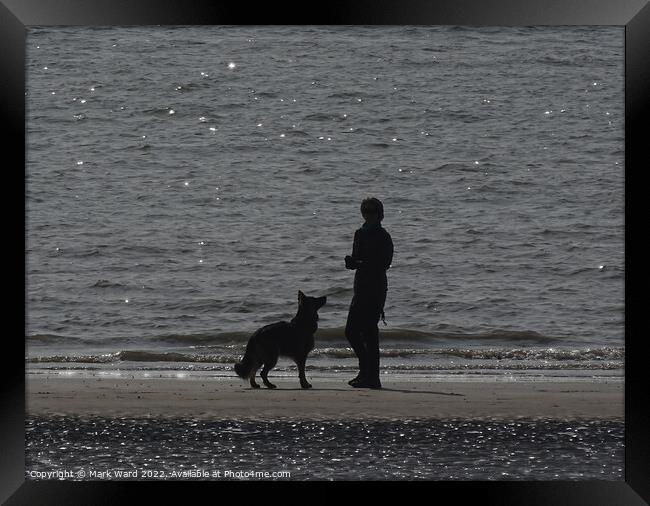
[243,368]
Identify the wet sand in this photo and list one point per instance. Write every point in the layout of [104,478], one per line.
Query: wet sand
[93,393]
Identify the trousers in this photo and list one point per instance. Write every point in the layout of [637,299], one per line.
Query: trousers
[362,331]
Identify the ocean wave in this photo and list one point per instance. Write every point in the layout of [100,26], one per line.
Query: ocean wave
[203,338]
[540,357]
[136,356]
[528,336]
[52,338]
[338,290]
[446,367]
[587,354]
[336,334]
[491,366]
[580,355]
[383,352]
[144,249]
[105,283]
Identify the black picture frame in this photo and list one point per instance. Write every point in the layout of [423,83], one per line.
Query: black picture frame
[17,15]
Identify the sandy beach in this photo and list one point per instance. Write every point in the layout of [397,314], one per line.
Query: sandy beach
[228,398]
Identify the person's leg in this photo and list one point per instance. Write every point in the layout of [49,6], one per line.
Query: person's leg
[353,335]
[370,335]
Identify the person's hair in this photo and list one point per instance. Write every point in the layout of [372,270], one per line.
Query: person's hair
[371,205]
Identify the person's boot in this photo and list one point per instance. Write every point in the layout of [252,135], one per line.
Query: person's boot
[358,378]
[375,384]
[361,376]
[371,376]
[362,372]
[369,380]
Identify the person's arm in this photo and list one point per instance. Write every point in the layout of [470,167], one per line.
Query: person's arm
[388,254]
[353,261]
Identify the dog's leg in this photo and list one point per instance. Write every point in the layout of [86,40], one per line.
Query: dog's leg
[263,373]
[252,376]
[269,363]
[301,372]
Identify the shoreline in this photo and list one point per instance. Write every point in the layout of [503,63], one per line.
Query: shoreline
[225,397]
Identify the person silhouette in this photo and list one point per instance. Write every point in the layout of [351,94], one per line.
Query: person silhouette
[372,254]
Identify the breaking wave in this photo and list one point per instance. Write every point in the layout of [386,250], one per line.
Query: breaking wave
[388,336]
[443,358]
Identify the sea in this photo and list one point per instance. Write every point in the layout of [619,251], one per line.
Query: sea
[183,183]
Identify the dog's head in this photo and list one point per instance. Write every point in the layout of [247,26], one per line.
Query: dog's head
[311,305]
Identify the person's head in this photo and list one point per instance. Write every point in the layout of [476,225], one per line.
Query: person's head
[372,210]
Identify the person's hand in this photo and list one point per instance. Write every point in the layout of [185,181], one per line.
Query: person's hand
[349,262]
